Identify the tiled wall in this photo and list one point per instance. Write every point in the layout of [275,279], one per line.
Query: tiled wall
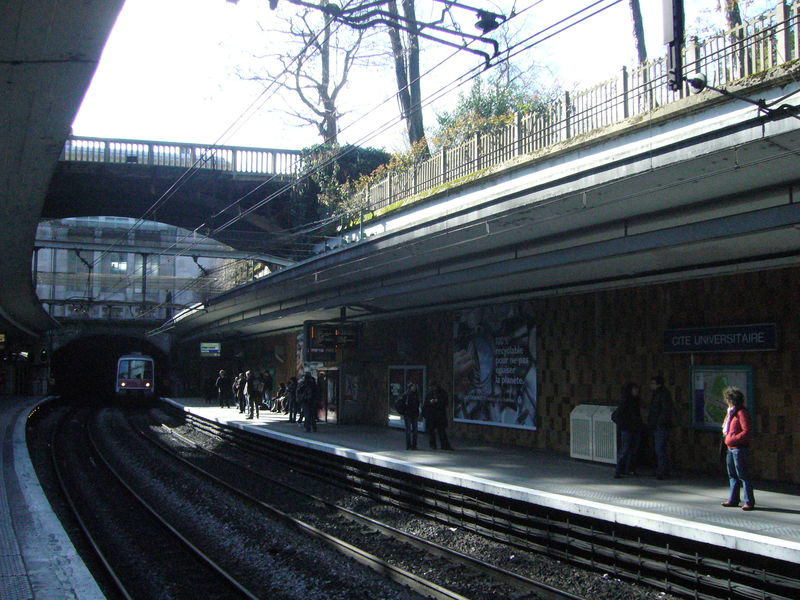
[591,344]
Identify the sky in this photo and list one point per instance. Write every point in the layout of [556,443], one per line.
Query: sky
[170,70]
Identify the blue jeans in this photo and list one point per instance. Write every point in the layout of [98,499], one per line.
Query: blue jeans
[661,439]
[628,451]
[738,463]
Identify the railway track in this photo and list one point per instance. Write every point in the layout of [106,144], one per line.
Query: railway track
[669,563]
[151,526]
[254,484]
[104,499]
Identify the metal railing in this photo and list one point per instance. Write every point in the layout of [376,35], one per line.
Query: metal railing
[767,41]
[229,159]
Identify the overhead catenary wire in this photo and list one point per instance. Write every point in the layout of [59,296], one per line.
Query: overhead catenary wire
[470,74]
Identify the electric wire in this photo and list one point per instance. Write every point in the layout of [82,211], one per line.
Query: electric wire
[469,75]
[256,105]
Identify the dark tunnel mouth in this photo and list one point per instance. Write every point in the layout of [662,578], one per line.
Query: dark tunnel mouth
[83,370]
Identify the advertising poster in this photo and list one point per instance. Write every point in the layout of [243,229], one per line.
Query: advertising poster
[494,366]
[708,383]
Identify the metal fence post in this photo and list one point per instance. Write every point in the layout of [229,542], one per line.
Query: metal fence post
[443,163]
[626,110]
[518,125]
[783,39]
[566,125]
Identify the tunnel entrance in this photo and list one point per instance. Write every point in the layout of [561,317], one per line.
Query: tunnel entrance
[83,370]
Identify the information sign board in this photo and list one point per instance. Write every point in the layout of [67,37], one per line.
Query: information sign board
[707,385]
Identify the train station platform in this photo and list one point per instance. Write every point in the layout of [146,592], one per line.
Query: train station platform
[37,558]
[687,506]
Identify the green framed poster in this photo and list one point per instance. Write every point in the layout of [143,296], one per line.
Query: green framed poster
[708,383]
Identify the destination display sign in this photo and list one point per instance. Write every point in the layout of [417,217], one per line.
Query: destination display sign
[735,338]
[323,339]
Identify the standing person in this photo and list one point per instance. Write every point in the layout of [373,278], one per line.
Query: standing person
[660,421]
[737,431]
[410,412]
[628,417]
[238,391]
[434,411]
[223,385]
[268,383]
[307,397]
[291,398]
[251,392]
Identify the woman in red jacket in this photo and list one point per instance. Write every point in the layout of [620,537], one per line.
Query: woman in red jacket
[737,431]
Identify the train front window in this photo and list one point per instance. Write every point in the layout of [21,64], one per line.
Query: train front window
[135,369]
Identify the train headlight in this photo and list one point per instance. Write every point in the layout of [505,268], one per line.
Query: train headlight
[122,384]
[147,384]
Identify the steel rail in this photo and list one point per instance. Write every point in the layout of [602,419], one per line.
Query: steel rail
[367,559]
[661,561]
[76,513]
[544,591]
[227,577]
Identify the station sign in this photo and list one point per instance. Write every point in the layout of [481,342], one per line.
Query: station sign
[735,338]
[212,349]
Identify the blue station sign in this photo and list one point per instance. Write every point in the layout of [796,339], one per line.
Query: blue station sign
[734,338]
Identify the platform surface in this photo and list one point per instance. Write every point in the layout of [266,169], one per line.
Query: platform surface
[684,505]
[37,558]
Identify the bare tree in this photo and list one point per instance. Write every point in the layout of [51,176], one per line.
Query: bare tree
[406,70]
[733,16]
[315,65]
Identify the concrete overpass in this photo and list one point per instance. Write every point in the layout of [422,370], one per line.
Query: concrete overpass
[178,184]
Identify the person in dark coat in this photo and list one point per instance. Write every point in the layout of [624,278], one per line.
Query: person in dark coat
[291,399]
[238,392]
[252,391]
[628,417]
[434,411]
[660,421]
[307,396]
[409,403]
[223,385]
